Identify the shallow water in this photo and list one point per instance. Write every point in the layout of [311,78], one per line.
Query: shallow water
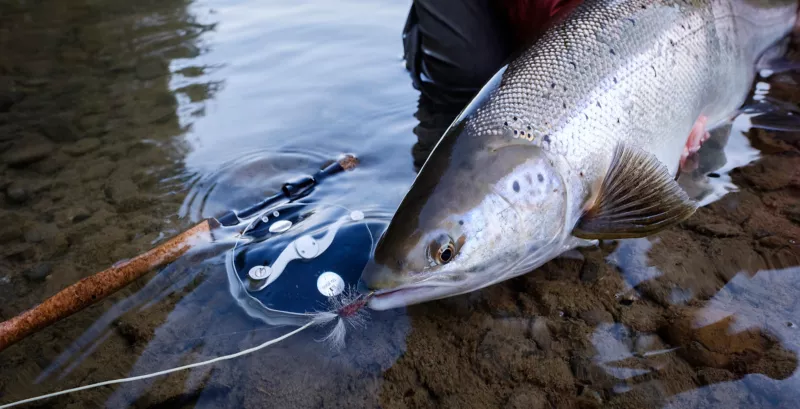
[124,123]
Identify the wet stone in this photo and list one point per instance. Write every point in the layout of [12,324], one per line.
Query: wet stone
[9,230]
[595,317]
[793,213]
[527,398]
[52,164]
[541,334]
[30,152]
[150,69]
[133,331]
[40,232]
[773,242]
[60,129]
[17,193]
[40,272]
[710,376]
[80,214]
[717,229]
[82,146]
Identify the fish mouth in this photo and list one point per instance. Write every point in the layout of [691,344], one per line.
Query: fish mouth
[400,297]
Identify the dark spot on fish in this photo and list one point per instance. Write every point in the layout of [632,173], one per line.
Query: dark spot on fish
[529,127]
[460,222]
[565,105]
[555,190]
[655,73]
[631,20]
[540,177]
[505,123]
[615,80]
[581,173]
[515,118]
[546,138]
[553,85]
[598,104]
[565,87]
[575,66]
[515,132]
[683,27]
[644,7]
[617,120]
[515,186]
[612,52]
[586,115]
[672,43]
[713,175]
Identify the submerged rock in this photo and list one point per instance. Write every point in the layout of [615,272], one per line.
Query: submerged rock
[82,146]
[40,272]
[28,152]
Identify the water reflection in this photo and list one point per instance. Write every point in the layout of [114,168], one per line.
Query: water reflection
[156,114]
[92,169]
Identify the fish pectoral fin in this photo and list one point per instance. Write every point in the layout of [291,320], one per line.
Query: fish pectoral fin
[638,197]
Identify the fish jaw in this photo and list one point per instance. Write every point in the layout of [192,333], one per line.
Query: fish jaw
[429,290]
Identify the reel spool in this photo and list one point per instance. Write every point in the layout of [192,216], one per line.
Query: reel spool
[293,257]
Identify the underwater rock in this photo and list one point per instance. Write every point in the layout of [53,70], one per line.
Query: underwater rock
[17,193]
[40,232]
[30,151]
[709,376]
[150,69]
[773,242]
[39,272]
[9,229]
[133,331]
[596,316]
[642,317]
[527,397]
[59,128]
[541,334]
[82,146]
[80,214]
[712,345]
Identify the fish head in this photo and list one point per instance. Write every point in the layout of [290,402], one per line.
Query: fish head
[478,212]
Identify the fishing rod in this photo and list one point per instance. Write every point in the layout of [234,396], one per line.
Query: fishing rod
[95,288]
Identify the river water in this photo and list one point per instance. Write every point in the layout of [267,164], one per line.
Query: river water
[124,123]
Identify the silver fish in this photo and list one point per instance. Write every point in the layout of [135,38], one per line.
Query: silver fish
[579,138]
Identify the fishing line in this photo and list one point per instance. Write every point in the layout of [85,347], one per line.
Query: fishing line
[171,370]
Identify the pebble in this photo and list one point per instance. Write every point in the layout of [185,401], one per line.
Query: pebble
[595,317]
[24,155]
[82,146]
[40,232]
[541,334]
[40,272]
[17,193]
[80,214]
[60,129]
[121,192]
[527,398]
[773,242]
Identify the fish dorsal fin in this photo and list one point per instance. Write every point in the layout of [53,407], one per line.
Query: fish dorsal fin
[638,197]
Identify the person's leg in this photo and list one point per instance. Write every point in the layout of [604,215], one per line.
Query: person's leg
[452,48]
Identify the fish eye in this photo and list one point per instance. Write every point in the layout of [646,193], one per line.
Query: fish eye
[441,250]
